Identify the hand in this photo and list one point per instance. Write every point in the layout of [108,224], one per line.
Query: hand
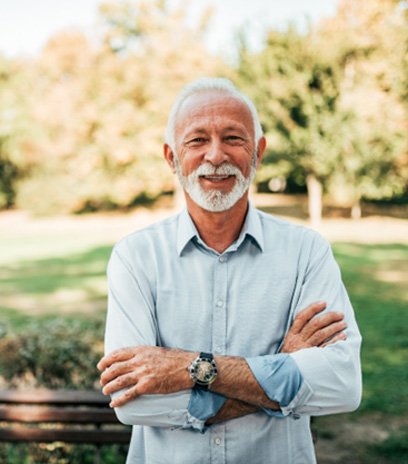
[144,370]
[309,330]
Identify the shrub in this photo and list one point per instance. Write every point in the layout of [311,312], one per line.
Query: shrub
[54,354]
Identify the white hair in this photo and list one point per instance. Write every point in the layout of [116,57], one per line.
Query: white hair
[206,84]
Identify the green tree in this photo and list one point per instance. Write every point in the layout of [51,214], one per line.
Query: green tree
[103,107]
[333,102]
[369,40]
[15,129]
[297,94]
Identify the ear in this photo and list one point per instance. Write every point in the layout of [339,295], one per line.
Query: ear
[261,150]
[169,157]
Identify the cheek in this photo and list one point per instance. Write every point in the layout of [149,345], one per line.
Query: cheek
[189,162]
[244,165]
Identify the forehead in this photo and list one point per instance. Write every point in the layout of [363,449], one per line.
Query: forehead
[213,108]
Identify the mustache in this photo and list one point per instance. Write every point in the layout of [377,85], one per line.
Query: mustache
[225,169]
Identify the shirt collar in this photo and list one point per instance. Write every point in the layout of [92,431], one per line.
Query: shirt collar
[186,231]
[252,227]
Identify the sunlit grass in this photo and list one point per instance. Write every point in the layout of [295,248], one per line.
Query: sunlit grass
[381,309]
[71,283]
[74,285]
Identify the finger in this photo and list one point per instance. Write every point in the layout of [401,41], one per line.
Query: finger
[120,383]
[320,322]
[304,316]
[121,354]
[337,338]
[322,335]
[115,370]
[129,395]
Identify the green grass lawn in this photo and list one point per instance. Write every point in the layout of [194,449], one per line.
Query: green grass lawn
[72,286]
[376,277]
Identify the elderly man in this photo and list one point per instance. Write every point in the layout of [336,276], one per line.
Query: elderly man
[227,328]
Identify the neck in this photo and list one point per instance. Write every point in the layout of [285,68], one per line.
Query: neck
[219,230]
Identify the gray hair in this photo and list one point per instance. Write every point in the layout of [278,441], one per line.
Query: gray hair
[205,84]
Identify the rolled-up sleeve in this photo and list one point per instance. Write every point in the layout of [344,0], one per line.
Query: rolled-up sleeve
[281,380]
[203,405]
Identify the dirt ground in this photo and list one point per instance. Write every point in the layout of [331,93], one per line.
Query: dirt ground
[347,439]
[378,225]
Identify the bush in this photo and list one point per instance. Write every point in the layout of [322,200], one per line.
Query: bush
[54,354]
[60,453]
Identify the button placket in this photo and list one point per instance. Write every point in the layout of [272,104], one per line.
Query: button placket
[217,444]
[219,332]
[220,286]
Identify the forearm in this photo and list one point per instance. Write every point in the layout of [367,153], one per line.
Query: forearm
[231,410]
[236,381]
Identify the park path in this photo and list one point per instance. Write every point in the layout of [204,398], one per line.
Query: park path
[104,228]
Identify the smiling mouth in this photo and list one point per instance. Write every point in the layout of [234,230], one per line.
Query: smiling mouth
[217,178]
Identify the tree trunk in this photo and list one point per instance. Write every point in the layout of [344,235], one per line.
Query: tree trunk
[315,193]
[356,209]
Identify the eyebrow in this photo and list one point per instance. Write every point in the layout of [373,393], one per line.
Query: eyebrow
[194,132]
[199,130]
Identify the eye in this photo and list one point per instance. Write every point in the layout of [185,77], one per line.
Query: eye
[196,141]
[234,139]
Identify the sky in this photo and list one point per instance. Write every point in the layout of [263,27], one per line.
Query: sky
[26,25]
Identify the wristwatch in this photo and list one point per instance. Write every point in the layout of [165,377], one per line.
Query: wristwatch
[203,371]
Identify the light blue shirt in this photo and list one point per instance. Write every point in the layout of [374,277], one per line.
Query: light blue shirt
[167,288]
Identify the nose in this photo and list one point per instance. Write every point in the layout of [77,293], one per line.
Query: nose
[215,153]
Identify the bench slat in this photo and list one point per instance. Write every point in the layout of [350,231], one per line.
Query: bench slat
[58,406]
[61,397]
[38,414]
[64,435]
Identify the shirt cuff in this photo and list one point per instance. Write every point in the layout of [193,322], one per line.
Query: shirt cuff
[203,404]
[280,378]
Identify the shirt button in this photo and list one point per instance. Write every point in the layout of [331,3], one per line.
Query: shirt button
[217,441]
[222,259]
[220,303]
[218,349]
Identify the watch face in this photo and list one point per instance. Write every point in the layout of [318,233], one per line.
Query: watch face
[203,371]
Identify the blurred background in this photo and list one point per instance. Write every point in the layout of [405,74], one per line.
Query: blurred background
[85,90]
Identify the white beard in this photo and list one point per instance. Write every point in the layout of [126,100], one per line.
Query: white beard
[215,200]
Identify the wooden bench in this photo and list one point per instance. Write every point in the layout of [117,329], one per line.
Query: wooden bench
[69,416]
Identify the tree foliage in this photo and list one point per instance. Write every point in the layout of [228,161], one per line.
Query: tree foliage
[81,126]
[103,108]
[299,103]
[16,128]
[370,41]
[333,101]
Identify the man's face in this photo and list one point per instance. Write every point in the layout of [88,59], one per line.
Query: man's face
[216,150]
